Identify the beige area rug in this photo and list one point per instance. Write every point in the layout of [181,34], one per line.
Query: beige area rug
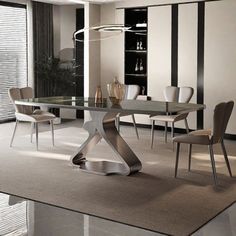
[151,199]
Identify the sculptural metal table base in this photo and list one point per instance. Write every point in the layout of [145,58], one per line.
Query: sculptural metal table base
[103,126]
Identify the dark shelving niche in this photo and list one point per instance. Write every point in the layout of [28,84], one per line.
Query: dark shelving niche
[136,48]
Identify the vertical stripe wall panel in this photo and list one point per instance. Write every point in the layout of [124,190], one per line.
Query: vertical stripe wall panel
[159,50]
[187,54]
[220,58]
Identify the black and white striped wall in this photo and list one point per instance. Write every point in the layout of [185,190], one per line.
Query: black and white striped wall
[189,44]
[192,44]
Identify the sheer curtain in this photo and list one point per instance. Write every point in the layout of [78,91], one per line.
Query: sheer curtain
[13,54]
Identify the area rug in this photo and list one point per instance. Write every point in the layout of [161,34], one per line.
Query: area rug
[152,199]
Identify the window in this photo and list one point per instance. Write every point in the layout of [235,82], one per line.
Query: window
[13,54]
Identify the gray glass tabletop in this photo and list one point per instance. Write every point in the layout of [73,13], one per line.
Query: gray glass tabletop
[21,217]
[130,106]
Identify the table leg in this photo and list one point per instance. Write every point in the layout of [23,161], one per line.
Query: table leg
[103,126]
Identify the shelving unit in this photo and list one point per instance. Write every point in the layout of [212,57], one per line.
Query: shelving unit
[136,48]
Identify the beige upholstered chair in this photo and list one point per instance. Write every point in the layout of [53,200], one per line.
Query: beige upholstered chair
[221,117]
[26,113]
[173,94]
[131,93]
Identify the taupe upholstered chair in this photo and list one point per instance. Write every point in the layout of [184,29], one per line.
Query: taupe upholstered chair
[26,113]
[131,93]
[173,94]
[221,117]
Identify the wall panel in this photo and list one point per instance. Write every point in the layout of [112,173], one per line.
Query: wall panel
[220,58]
[159,50]
[187,54]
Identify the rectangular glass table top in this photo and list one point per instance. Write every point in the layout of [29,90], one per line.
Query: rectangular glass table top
[21,217]
[131,106]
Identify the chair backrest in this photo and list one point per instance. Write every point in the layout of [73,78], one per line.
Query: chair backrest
[21,93]
[221,117]
[185,94]
[178,94]
[131,91]
[171,94]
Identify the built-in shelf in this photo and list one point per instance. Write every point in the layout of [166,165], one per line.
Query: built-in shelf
[136,48]
[136,51]
[137,75]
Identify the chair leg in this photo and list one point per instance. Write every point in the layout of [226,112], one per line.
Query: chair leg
[186,125]
[32,132]
[135,127]
[14,132]
[37,135]
[213,163]
[166,124]
[118,123]
[172,130]
[226,158]
[189,156]
[52,129]
[177,159]
[152,133]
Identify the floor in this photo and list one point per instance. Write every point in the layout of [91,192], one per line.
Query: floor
[152,199]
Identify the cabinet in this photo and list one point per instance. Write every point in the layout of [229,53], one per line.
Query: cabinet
[136,48]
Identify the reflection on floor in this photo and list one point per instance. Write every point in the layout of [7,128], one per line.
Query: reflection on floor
[223,224]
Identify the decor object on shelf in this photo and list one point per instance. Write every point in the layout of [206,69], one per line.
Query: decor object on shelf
[221,118]
[116,91]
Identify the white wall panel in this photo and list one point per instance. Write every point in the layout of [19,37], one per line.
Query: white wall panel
[187,54]
[112,49]
[159,50]
[220,58]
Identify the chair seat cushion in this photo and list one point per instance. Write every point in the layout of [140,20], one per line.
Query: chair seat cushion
[169,118]
[196,137]
[45,116]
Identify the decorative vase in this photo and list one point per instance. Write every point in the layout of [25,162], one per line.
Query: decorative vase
[116,91]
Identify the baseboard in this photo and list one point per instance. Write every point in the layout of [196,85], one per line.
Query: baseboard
[177,130]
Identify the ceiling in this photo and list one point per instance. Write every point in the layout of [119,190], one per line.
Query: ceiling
[69,2]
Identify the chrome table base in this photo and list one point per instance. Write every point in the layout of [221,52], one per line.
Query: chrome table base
[103,126]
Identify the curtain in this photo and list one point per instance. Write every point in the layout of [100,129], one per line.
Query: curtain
[43,47]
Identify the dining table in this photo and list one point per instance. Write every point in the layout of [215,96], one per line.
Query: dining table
[102,125]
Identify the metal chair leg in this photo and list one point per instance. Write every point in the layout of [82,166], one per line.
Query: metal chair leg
[152,133]
[14,132]
[135,127]
[189,156]
[166,124]
[118,123]
[213,163]
[172,130]
[37,135]
[226,158]
[177,159]
[186,125]
[52,129]
[32,131]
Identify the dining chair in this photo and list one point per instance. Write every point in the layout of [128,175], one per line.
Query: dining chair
[131,93]
[28,114]
[209,137]
[173,94]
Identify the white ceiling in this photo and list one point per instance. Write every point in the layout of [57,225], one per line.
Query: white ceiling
[69,2]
